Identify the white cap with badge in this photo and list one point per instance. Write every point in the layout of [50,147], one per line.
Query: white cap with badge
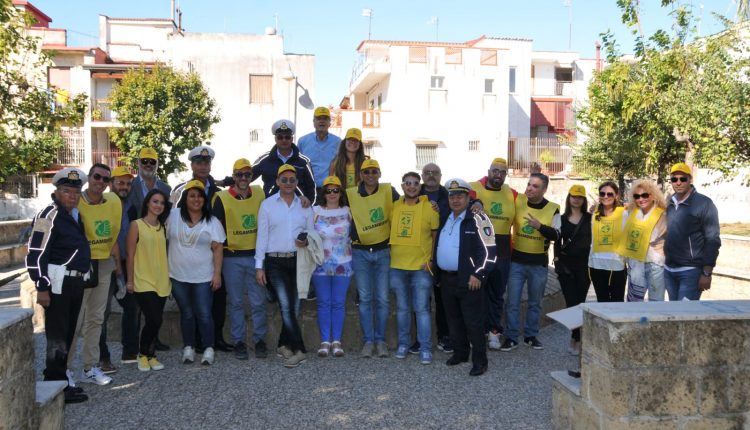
[282,125]
[202,152]
[70,176]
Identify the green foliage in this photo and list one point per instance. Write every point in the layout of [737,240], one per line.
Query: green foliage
[29,117]
[163,109]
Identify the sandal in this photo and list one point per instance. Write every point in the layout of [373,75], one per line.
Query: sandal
[337,350]
[325,349]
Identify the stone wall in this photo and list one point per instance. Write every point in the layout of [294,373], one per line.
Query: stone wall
[669,365]
[17,387]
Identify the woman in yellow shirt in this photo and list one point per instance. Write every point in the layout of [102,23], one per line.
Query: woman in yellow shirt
[148,277]
[349,158]
[606,265]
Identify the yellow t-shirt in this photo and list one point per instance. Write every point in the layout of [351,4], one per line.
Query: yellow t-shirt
[350,176]
[411,233]
[102,224]
[151,272]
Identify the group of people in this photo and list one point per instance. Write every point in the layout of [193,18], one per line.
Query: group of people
[321,217]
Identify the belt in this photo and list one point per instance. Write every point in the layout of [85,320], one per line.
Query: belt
[75,273]
[449,273]
[281,254]
[371,248]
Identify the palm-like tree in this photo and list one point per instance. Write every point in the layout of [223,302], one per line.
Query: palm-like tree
[743,10]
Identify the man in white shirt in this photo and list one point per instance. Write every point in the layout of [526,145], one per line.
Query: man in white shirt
[282,228]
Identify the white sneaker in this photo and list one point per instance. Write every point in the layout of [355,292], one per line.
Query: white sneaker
[208,356]
[71,378]
[188,355]
[96,376]
[494,341]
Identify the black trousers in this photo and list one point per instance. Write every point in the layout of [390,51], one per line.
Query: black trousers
[441,322]
[152,307]
[574,282]
[131,321]
[609,284]
[282,274]
[60,319]
[465,311]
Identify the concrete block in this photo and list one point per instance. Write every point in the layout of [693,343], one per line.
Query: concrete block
[16,369]
[608,390]
[717,342]
[50,405]
[562,418]
[585,417]
[738,384]
[714,393]
[717,423]
[640,423]
[665,392]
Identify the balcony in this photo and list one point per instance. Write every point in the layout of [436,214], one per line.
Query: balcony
[101,112]
[564,89]
[367,72]
[345,119]
[73,152]
[110,157]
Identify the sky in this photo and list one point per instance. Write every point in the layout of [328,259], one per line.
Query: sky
[332,29]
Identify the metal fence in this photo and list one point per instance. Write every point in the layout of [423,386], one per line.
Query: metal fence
[73,153]
[553,154]
[24,186]
[111,158]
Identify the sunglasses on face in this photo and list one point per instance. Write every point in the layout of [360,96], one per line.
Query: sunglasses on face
[674,179]
[606,194]
[641,196]
[370,172]
[284,136]
[148,162]
[99,177]
[332,190]
[499,172]
[245,175]
[411,183]
[431,173]
[291,180]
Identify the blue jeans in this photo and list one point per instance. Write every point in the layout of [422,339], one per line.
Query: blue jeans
[281,272]
[412,289]
[536,279]
[194,301]
[331,293]
[239,277]
[684,284]
[645,277]
[371,276]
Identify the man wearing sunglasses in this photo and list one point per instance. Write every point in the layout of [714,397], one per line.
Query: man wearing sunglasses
[101,214]
[284,151]
[237,209]
[148,163]
[692,244]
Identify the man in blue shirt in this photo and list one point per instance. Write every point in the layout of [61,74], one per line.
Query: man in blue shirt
[320,146]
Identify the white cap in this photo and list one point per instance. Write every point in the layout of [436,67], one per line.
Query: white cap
[457,185]
[282,125]
[202,151]
[70,176]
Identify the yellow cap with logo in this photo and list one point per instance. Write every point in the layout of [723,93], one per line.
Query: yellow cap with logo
[370,164]
[332,180]
[241,164]
[194,183]
[286,168]
[681,167]
[121,171]
[148,153]
[500,160]
[322,111]
[353,133]
[577,191]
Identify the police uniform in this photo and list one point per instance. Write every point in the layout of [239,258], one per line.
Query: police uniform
[58,259]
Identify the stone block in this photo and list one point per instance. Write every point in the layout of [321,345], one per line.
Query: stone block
[716,342]
[28,301]
[50,405]
[717,423]
[738,385]
[665,392]
[640,423]
[561,407]
[714,393]
[608,390]
[585,417]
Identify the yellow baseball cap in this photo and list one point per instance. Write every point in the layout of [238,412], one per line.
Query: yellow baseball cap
[286,168]
[241,164]
[322,111]
[577,191]
[332,180]
[194,183]
[681,167]
[500,160]
[148,153]
[354,133]
[370,164]
[121,171]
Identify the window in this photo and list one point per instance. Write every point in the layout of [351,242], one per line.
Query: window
[260,89]
[256,135]
[473,145]
[426,154]
[564,74]
[369,149]
[453,56]
[512,79]
[436,82]
[488,83]
[488,57]
[417,54]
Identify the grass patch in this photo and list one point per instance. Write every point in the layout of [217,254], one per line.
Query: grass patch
[739,229]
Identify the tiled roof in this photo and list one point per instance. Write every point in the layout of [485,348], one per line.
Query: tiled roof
[467,44]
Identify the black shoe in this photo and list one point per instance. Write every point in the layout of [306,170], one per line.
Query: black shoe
[414,348]
[77,390]
[161,346]
[533,342]
[444,344]
[260,349]
[454,360]
[71,396]
[240,351]
[220,345]
[509,345]
[575,373]
[477,370]
[311,294]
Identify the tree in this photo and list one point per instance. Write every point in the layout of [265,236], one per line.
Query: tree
[163,109]
[30,113]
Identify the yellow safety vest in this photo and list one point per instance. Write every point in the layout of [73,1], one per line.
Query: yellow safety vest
[499,206]
[607,231]
[241,218]
[525,237]
[637,234]
[102,224]
[150,261]
[371,214]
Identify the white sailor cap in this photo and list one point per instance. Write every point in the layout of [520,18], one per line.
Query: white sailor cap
[70,176]
[202,152]
[456,185]
[282,125]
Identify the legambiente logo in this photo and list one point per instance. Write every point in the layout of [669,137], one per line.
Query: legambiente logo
[377,215]
[248,221]
[102,228]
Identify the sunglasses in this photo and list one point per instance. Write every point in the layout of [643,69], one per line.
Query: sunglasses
[607,194]
[411,183]
[99,177]
[291,180]
[246,175]
[284,136]
[431,173]
[641,196]
[498,172]
[332,190]
[148,162]
[370,172]
[674,179]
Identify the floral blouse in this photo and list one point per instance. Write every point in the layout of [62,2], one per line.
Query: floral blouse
[333,227]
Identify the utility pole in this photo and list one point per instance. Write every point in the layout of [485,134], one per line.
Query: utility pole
[569,5]
[367,12]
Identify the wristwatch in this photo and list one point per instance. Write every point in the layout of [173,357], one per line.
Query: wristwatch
[706,274]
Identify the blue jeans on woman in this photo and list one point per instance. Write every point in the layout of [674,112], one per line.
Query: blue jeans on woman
[331,292]
[194,301]
[371,274]
[412,289]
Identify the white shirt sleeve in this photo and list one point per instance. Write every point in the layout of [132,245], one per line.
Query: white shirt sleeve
[261,243]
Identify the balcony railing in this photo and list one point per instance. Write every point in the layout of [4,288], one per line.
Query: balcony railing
[24,186]
[111,158]
[563,88]
[362,119]
[73,153]
[554,155]
[363,64]
[101,111]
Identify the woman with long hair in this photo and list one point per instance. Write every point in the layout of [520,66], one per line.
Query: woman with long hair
[349,158]
[606,265]
[643,242]
[331,279]
[572,255]
[195,256]
[148,278]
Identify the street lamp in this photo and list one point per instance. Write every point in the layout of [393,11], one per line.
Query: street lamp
[304,99]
